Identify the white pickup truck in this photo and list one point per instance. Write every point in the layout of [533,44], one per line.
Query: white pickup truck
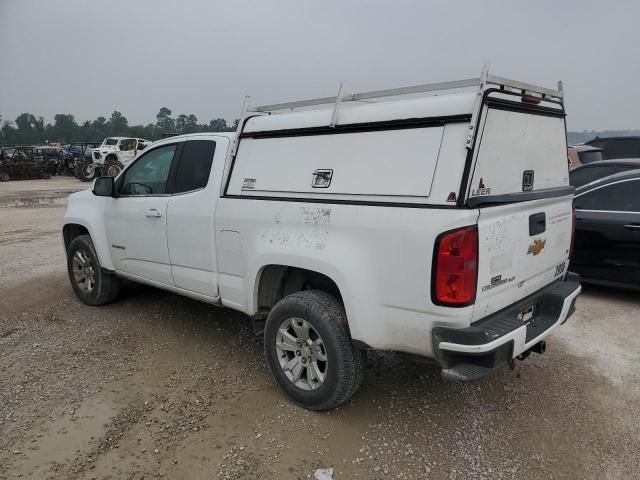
[435,220]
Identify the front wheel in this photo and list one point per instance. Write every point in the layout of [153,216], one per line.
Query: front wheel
[85,171]
[91,284]
[309,350]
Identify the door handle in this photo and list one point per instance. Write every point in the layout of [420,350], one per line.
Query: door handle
[632,227]
[153,212]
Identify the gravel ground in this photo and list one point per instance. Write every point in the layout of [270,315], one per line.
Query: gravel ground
[156,385]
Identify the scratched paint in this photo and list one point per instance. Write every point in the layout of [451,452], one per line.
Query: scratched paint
[314,232]
[308,228]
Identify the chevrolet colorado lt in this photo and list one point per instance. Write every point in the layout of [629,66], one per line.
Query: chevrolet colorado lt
[435,220]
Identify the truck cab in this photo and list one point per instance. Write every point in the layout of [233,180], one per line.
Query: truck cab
[439,226]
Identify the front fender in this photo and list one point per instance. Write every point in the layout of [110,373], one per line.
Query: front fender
[86,209]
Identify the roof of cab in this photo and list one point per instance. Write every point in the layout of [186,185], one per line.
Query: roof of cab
[194,136]
[434,106]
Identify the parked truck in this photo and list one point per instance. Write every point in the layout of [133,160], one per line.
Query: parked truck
[437,225]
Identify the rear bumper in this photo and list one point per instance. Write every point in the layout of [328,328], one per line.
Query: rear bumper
[488,344]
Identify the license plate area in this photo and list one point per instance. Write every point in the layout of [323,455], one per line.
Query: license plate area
[526,315]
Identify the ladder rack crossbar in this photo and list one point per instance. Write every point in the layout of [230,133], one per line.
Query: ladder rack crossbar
[415,89]
[354,97]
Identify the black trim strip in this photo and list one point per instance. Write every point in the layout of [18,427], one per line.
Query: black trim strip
[520,196]
[339,201]
[361,127]
[502,104]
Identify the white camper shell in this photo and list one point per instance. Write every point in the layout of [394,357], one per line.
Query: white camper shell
[434,220]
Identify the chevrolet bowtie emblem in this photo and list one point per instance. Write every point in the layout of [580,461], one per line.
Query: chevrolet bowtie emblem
[536,247]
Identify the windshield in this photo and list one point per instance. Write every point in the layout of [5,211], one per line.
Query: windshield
[110,141]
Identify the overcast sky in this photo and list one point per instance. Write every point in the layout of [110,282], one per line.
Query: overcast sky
[89,58]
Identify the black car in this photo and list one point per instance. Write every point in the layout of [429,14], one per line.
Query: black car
[617,147]
[607,238]
[593,171]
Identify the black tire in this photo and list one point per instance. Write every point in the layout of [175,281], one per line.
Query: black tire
[345,367]
[112,167]
[81,171]
[106,285]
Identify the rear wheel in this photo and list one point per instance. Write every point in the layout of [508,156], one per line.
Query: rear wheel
[91,284]
[309,350]
[85,171]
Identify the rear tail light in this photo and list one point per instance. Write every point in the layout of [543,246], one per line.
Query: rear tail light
[455,268]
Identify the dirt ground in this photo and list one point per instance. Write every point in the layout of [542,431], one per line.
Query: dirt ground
[156,385]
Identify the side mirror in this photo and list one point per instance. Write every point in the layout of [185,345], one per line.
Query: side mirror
[103,187]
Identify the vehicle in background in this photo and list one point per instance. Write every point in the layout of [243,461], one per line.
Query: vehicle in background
[77,153]
[607,238]
[457,250]
[617,147]
[111,157]
[597,170]
[21,163]
[52,157]
[582,155]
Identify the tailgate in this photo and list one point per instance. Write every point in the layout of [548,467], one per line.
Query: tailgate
[512,263]
[520,185]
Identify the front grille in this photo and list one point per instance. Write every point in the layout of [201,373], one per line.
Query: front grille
[96,155]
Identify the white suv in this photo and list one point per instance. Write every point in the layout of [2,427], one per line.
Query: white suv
[438,225]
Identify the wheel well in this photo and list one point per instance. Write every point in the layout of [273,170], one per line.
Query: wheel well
[71,231]
[278,281]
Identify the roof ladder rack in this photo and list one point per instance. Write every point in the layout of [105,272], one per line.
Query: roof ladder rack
[481,83]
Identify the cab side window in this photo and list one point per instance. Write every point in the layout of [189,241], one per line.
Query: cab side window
[194,166]
[149,174]
[617,197]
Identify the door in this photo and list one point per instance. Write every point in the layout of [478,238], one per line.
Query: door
[136,219]
[190,217]
[607,245]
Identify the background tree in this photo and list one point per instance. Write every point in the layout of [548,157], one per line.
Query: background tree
[164,122]
[64,128]
[218,125]
[30,129]
[118,124]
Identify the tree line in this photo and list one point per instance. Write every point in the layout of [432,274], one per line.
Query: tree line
[31,130]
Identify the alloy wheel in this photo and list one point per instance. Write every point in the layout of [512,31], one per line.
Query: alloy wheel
[301,353]
[83,271]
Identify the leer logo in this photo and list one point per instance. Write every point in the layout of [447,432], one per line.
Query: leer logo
[536,247]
